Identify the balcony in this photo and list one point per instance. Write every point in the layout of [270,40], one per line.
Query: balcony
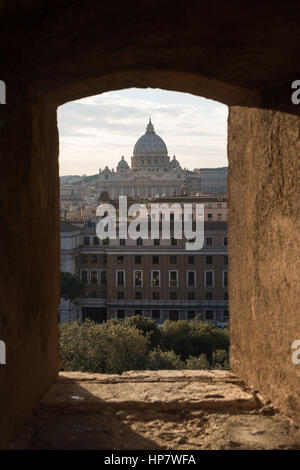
[161,304]
[95,291]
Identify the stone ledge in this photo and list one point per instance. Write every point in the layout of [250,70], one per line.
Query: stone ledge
[151,376]
[155,410]
[162,390]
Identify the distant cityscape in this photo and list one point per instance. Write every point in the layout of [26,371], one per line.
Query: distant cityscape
[157,278]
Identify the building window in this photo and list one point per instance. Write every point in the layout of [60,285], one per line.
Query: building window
[106,241]
[173,279]
[120,278]
[191,278]
[156,241]
[173,315]
[209,295]
[139,241]
[156,314]
[225,278]
[102,277]
[120,259]
[209,279]
[138,312]
[219,216]
[120,295]
[191,314]
[138,278]
[93,259]
[173,241]
[219,315]
[103,259]
[191,259]
[84,276]
[208,259]
[225,241]
[96,241]
[225,295]
[155,260]
[138,296]
[84,259]
[120,314]
[226,314]
[191,295]
[155,278]
[208,241]
[173,259]
[226,259]
[94,276]
[122,241]
[219,206]
[173,295]
[138,259]
[209,216]
[155,295]
[86,240]
[209,314]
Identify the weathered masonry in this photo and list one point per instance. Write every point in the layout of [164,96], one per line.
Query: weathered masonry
[55,51]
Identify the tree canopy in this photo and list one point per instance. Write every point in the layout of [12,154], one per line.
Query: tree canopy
[71,286]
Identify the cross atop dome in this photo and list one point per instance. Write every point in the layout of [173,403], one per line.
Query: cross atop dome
[150,127]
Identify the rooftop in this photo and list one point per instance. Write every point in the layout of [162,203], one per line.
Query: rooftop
[67,227]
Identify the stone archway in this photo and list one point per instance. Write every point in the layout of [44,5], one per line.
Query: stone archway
[52,53]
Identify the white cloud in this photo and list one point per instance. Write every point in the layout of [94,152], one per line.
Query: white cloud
[96,131]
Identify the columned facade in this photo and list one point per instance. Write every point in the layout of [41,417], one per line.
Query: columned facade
[152,172]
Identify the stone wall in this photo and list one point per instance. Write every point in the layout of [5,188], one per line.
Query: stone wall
[29,253]
[264,241]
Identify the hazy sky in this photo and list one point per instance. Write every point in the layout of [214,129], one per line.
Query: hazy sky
[97,131]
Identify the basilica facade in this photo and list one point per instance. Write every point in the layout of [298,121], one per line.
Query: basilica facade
[152,172]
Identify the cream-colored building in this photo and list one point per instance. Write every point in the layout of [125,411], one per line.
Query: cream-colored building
[152,172]
[213,180]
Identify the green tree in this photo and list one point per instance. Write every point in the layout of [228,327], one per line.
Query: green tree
[110,347]
[206,337]
[200,362]
[164,360]
[176,336]
[220,359]
[116,346]
[71,287]
[193,338]
[147,327]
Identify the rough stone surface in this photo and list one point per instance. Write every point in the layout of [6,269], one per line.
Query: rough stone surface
[264,241]
[195,389]
[155,410]
[55,51]
[212,48]
[29,253]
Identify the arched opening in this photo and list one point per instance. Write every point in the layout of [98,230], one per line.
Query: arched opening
[162,279]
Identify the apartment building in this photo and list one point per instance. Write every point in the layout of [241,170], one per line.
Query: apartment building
[157,278]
